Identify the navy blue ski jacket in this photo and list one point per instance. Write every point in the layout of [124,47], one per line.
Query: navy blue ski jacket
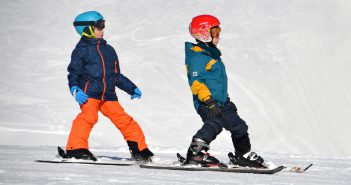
[94,67]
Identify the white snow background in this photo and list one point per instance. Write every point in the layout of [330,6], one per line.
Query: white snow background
[288,66]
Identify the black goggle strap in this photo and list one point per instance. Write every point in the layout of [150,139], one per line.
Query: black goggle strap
[99,24]
[84,23]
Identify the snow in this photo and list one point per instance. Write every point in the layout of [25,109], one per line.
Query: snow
[18,167]
[287,64]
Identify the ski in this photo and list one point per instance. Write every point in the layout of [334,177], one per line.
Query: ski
[221,167]
[119,163]
[216,169]
[115,161]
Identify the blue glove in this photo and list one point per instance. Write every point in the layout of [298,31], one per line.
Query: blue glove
[79,95]
[136,94]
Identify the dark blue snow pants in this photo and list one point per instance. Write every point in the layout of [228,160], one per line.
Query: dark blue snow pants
[230,120]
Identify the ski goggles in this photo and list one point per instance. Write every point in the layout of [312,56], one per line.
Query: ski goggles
[100,24]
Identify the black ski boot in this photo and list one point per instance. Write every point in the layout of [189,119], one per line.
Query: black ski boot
[250,159]
[196,156]
[143,156]
[80,153]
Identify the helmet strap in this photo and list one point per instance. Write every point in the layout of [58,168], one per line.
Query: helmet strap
[197,40]
[210,44]
[89,32]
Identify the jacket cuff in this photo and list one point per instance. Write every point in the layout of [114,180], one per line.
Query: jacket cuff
[131,91]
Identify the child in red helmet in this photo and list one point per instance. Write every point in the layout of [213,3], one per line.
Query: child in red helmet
[209,84]
[94,72]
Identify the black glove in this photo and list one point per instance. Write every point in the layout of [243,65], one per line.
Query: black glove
[233,106]
[213,108]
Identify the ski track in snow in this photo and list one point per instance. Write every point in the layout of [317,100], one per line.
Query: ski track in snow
[18,167]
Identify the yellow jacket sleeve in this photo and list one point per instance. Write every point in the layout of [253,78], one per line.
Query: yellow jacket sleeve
[201,90]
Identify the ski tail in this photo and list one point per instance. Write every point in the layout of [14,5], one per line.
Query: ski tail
[232,158]
[181,158]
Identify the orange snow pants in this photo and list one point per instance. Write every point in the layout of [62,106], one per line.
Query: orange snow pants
[84,122]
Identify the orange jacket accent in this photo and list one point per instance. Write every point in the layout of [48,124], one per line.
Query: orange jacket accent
[104,69]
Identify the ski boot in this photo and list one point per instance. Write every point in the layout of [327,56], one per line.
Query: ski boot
[196,156]
[250,159]
[80,153]
[143,156]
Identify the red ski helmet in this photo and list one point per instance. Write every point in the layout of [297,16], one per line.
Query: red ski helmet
[200,27]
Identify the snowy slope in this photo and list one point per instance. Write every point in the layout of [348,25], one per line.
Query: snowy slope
[17,168]
[287,62]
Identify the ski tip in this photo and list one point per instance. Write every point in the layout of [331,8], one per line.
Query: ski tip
[298,169]
[308,167]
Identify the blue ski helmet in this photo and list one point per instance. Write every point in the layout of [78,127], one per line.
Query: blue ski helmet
[85,22]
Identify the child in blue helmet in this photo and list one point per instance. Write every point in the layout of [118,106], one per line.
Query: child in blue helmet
[93,74]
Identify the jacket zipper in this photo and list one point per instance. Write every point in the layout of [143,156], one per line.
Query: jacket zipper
[223,89]
[86,86]
[103,69]
[116,70]
[116,67]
